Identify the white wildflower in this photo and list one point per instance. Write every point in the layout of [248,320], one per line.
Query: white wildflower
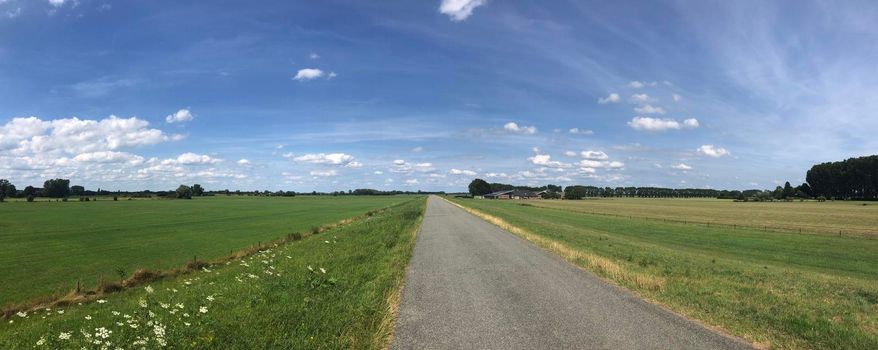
[203,309]
[88,317]
[21,314]
[41,341]
[322,270]
[101,301]
[142,302]
[102,333]
[210,298]
[149,289]
[115,313]
[179,305]
[64,335]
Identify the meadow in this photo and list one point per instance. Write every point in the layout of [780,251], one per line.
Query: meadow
[774,289]
[46,247]
[850,218]
[332,290]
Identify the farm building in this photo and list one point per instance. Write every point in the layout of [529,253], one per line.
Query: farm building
[514,194]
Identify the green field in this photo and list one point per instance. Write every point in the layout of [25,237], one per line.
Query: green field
[45,247]
[775,289]
[846,217]
[333,290]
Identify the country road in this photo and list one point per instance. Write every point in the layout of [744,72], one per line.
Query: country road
[472,285]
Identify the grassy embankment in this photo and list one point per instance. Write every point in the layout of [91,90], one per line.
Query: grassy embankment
[778,290]
[336,289]
[46,247]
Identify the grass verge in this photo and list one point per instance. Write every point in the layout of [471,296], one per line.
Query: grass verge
[332,290]
[776,290]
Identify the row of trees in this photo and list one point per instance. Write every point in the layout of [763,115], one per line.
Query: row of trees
[854,178]
[479,187]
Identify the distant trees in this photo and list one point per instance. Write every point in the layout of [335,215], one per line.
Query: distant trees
[854,178]
[479,187]
[7,189]
[29,191]
[77,190]
[184,192]
[56,188]
[197,190]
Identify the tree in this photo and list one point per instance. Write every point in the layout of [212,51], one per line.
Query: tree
[56,188]
[184,192]
[778,192]
[806,190]
[197,190]
[788,190]
[29,191]
[7,189]
[479,187]
[77,190]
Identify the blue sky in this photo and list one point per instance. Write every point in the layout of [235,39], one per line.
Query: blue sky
[335,95]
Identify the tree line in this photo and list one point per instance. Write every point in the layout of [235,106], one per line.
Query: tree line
[853,178]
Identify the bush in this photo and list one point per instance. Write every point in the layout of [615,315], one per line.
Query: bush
[30,198]
[115,198]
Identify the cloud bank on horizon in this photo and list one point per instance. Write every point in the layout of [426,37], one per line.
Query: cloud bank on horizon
[428,96]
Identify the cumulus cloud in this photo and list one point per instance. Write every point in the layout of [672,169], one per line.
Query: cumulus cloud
[516,129]
[640,98]
[713,151]
[109,157]
[462,172]
[578,131]
[636,84]
[677,98]
[681,166]
[598,155]
[57,3]
[308,74]
[403,167]
[661,124]
[411,182]
[612,98]
[648,109]
[22,136]
[243,161]
[459,10]
[324,158]
[570,153]
[183,115]
[313,56]
[190,158]
[418,149]
[545,160]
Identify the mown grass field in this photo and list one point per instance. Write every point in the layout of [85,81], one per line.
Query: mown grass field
[777,290]
[333,290]
[846,217]
[45,247]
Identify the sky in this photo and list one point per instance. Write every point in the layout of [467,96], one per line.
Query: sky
[428,95]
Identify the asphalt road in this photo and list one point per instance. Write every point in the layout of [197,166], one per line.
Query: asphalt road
[472,285]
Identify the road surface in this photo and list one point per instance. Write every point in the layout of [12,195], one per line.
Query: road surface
[472,285]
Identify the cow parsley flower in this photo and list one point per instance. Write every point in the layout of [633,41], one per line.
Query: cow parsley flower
[149,289]
[210,298]
[203,309]
[41,341]
[88,317]
[64,336]
[101,301]
[322,270]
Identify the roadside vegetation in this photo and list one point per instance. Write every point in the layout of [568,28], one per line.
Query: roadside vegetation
[49,247]
[336,289]
[774,289]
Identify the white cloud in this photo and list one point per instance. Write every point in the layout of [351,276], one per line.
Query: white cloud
[331,75]
[325,158]
[545,160]
[403,167]
[640,98]
[677,98]
[515,128]
[308,74]
[462,172]
[459,10]
[681,166]
[22,136]
[13,13]
[324,173]
[378,172]
[612,98]
[648,109]
[418,149]
[57,3]
[180,116]
[411,182]
[109,157]
[570,153]
[660,124]
[354,164]
[190,158]
[243,161]
[578,131]
[313,56]
[713,151]
[599,155]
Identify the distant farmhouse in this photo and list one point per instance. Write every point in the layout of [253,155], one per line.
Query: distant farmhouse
[515,194]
